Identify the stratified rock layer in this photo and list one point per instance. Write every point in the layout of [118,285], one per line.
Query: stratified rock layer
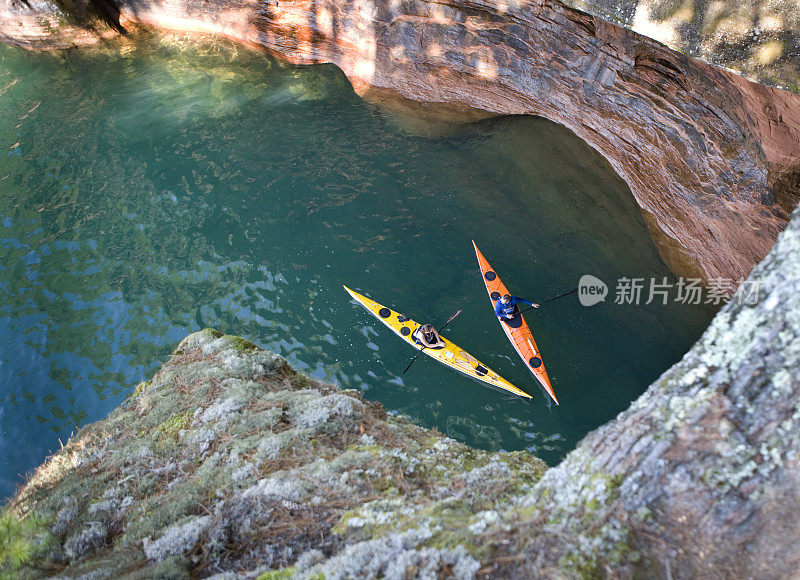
[229,461]
[760,38]
[712,159]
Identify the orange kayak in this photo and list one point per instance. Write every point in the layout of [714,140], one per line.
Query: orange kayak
[517,329]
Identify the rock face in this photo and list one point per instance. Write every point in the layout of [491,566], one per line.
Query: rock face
[229,461]
[759,39]
[712,159]
[40,25]
[706,464]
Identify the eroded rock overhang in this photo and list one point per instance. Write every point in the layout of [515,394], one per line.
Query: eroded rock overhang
[712,159]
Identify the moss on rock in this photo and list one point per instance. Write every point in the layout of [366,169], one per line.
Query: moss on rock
[227,446]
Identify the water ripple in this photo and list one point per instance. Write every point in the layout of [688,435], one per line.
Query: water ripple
[160,188]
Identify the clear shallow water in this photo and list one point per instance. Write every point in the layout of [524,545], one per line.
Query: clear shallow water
[155,189]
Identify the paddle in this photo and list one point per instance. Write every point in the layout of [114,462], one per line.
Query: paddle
[550,300]
[449,320]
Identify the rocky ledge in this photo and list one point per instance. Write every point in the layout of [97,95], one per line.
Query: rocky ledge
[228,460]
[712,159]
[229,463]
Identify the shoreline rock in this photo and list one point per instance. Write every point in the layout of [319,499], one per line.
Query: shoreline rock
[226,445]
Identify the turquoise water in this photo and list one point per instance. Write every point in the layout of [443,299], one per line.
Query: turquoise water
[160,187]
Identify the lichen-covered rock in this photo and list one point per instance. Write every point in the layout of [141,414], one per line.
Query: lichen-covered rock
[176,540]
[393,557]
[227,460]
[87,540]
[700,477]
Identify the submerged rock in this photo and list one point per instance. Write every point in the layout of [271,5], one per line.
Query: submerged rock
[228,462]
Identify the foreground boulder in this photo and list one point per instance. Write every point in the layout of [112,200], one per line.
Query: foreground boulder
[700,477]
[228,460]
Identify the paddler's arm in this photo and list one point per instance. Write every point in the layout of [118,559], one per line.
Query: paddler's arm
[515,300]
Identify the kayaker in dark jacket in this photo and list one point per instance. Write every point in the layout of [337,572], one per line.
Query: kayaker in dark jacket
[506,308]
[426,335]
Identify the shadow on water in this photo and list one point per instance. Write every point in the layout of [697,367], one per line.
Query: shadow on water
[158,188]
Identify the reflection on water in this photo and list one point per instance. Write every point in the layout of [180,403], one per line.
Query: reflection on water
[156,189]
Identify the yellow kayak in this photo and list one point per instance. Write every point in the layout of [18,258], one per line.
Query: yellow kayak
[450,355]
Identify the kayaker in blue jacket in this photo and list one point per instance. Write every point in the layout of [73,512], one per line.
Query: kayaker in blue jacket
[506,308]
